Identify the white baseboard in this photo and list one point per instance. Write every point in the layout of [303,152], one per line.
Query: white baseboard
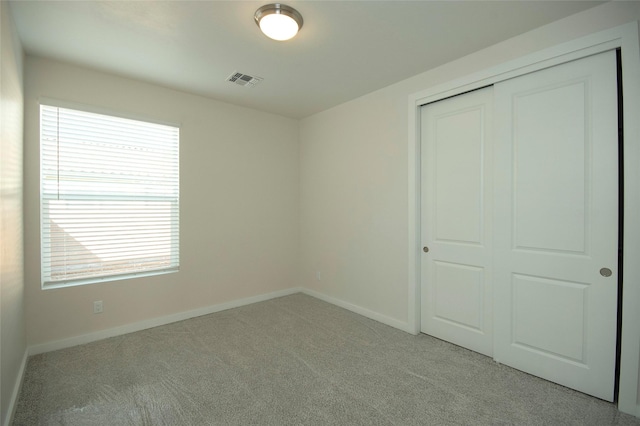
[155,322]
[401,325]
[16,390]
[181,316]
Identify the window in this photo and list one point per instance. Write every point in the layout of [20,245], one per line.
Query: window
[109,197]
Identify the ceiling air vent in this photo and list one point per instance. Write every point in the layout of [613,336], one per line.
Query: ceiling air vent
[244,79]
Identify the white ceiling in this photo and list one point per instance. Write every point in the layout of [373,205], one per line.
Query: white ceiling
[344,50]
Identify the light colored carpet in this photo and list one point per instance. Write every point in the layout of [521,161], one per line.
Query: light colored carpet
[290,361]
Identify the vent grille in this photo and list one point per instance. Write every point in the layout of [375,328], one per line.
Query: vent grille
[244,79]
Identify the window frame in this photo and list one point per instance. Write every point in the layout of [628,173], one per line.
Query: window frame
[45,281]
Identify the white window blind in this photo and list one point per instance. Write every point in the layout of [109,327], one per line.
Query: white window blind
[110,197]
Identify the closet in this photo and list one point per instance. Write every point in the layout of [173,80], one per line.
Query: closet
[519,222]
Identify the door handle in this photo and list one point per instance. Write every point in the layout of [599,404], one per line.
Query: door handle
[605,272]
[425,249]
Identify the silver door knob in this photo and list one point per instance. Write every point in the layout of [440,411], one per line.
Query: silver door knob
[425,249]
[605,272]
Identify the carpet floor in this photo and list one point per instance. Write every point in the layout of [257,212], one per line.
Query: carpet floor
[290,361]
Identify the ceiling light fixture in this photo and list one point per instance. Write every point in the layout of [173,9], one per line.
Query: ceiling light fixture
[278,21]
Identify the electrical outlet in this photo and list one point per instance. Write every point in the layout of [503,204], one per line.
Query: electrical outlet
[97,307]
[318,276]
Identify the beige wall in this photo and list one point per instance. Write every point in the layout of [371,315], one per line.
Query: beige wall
[238,205]
[12,325]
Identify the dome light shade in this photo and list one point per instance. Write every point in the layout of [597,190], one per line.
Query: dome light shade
[278,21]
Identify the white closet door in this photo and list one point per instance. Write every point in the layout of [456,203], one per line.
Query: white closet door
[456,220]
[556,224]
